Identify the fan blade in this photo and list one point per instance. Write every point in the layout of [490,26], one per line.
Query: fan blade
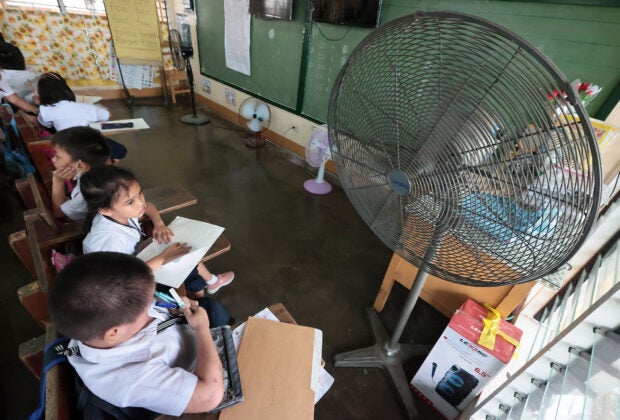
[254,125]
[262,112]
[247,110]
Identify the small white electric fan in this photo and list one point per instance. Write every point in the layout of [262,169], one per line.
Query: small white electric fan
[255,115]
[317,154]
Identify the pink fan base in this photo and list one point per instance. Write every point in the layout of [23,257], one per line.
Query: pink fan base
[318,188]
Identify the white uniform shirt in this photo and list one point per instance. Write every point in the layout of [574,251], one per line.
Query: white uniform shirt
[76,207]
[108,235]
[5,89]
[17,81]
[149,370]
[66,114]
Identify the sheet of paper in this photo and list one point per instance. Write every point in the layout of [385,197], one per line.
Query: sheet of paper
[198,235]
[138,124]
[321,380]
[237,21]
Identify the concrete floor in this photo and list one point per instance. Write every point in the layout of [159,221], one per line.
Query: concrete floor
[314,254]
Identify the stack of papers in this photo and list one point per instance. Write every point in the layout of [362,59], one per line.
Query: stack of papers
[321,379]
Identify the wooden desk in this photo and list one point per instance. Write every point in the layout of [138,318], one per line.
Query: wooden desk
[446,296]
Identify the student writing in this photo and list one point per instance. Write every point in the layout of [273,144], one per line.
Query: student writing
[115,203]
[104,302]
[59,110]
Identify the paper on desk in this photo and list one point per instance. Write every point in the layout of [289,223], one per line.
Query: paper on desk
[320,380]
[138,124]
[200,236]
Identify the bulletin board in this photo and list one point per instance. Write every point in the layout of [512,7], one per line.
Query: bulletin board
[135,31]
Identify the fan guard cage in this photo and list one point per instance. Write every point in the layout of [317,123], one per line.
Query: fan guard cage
[451,145]
[175,50]
[255,103]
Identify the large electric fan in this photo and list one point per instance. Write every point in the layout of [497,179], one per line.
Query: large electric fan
[317,155]
[254,115]
[449,148]
[182,53]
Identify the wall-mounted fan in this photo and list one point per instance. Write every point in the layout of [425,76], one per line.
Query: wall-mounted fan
[254,115]
[182,52]
[317,154]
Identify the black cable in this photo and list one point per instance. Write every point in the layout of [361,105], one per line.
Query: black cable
[333,39]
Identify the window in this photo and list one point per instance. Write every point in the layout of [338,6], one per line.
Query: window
[65,6]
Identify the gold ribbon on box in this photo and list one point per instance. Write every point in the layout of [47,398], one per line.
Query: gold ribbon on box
[491,330]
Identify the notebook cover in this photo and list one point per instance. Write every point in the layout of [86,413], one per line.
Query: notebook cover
[275,364]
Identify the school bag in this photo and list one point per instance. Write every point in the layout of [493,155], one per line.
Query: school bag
[88,405]
[16,162]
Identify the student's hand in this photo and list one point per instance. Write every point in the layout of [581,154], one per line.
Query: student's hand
[196,316]
[162,233]
[68,172]
[174,251]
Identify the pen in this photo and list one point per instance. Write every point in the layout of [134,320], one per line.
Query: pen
[176,297]
[164,297]
[166,305]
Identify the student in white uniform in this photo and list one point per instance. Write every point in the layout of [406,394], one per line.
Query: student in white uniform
[115,203]
[14,88]
[77,150]
[104,303]
[59,110]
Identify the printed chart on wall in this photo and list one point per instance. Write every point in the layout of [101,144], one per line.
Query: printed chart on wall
[135,31]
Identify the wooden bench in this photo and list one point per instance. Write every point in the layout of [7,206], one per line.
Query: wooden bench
[166,198]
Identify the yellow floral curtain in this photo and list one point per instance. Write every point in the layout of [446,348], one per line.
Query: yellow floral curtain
[78,46]
[74,45]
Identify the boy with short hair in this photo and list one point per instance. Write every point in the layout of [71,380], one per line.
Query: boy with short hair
[77,150]
[104,302]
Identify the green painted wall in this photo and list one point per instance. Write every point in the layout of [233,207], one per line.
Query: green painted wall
[583,41]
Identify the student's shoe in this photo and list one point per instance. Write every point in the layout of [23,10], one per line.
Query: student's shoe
[223,279]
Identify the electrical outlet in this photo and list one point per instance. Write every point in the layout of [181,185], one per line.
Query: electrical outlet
[206,85]
[230,96]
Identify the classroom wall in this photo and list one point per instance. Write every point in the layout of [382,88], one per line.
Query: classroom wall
[583,41]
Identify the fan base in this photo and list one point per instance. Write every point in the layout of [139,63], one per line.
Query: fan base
[255,142]
[390,361]
[318,188]
[198,119]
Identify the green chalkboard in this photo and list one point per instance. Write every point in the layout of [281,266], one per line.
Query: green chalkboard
[583,41]
[275,53]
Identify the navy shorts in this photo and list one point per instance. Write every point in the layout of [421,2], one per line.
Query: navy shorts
[117,150]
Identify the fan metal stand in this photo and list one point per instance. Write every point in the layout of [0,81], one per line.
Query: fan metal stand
[256,141]
[194,118]
[388,353]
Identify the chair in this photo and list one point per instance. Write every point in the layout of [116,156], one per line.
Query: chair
[177,82]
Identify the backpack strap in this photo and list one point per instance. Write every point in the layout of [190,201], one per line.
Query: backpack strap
[51,357]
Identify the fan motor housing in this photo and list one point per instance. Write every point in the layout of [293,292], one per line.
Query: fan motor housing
[399,182]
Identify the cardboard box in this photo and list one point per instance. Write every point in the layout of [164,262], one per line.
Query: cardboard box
[457,368]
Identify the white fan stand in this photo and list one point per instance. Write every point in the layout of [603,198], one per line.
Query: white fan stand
[318,185]
[317,155]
